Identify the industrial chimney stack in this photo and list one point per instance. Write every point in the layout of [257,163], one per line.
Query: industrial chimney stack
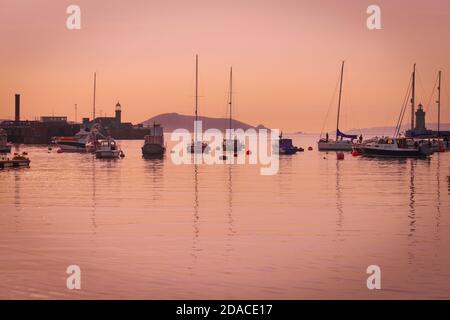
[17,108]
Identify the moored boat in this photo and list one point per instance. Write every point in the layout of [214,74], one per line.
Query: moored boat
[18,160]
[340,144]
[197,146]
[231,144]
[108,149]
[285,146]
[395,147]
[336,145]
[93,140]
[154,142]
[5,147]
[76,143]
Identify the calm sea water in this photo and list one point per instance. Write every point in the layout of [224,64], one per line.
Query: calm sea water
[149,229]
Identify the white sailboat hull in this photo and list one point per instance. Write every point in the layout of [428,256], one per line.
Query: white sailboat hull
[335,145]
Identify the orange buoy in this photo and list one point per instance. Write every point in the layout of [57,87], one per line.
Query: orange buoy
[59,151]
[340,156]
[310,148]
[355,153]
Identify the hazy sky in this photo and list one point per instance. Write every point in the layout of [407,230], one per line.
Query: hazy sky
[285,55]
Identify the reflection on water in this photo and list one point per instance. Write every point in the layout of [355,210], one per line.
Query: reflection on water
[196,219]
[146,228]
[339,207]
[412,191]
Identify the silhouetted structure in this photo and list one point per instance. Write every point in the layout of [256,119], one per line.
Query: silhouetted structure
[41,132]
[420,130]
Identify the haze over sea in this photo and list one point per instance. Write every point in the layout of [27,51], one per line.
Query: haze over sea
[149,229]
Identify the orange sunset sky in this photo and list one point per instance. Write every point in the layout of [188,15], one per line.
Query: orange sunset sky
[285,54]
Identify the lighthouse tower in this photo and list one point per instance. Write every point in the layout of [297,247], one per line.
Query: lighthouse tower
[118,113]
[420,120]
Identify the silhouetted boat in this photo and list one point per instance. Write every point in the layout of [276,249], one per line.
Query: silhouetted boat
[285,146]
[339,144]
[18,160]
[154,142]
[197,146]
[399,146]
[395,147]
[5,147]
[232,144]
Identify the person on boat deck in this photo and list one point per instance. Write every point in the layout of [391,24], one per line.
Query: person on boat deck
[360,138]
[326,137]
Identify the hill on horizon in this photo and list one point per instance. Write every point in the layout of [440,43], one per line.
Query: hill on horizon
[173,121]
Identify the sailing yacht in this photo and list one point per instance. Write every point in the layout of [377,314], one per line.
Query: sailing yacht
[85,140]
[340,144]
[231,144]
[398,146]
[196,145]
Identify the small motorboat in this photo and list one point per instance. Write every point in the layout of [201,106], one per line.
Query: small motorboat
[285,146]
[76,143]
[18,160]
[5,147]
[395,147]
[198,147]
[154,142]
[108,149]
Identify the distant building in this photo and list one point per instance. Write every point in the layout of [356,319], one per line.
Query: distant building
[54,119]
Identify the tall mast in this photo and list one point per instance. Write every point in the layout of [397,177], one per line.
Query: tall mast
[339,103]
[231,97]
[196,85]
[95,84]
[439,104]
[196,94]
[413,97]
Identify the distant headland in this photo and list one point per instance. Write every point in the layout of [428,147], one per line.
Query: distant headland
[173,121]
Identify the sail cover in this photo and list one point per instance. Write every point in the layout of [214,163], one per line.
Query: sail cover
[343,135]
